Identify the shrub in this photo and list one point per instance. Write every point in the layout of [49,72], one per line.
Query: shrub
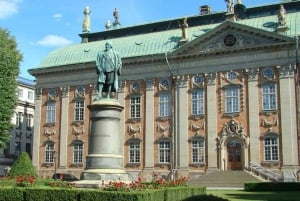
[22,167]
[272,186]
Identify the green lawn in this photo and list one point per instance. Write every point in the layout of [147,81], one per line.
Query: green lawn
[241,195]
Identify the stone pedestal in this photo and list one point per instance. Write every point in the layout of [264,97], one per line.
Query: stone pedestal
[105,159]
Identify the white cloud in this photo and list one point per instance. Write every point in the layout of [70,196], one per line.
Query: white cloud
[57,16]
[8,8]
[54,40]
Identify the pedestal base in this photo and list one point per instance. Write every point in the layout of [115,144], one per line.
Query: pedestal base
[104,175]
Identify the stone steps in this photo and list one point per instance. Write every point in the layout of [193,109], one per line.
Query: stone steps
[224,179]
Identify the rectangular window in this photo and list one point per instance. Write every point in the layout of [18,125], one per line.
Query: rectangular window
[20,93]
[271,148]
[19,119]
[232,99]
[198,151]
[77,152]
[50,113]
[134,152]
[28,121]
[49,153]
[198,102]
[164,152]
[164,105]
[135,107]
[30,95]
[79,110]
[269,97]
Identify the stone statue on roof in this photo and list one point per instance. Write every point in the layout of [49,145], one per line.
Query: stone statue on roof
[86,26]
[230,6]
[108,68]
[184,27]
[281,16]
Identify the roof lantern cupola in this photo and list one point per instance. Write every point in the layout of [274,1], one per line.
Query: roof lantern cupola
[86,26]
[116,23]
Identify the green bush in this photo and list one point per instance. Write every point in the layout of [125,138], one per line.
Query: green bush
[11,194]
[22,166]
[272,186]
[51,194]
[205,198]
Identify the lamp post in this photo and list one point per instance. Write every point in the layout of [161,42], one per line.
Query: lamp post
[54,158]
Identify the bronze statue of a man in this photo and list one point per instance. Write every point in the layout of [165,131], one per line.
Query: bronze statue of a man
[108,67]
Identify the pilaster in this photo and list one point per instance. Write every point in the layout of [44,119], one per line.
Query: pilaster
[253,117]
[149,128]
[64,119]
[288,116]
[181,136]
[37,128]
[212,156]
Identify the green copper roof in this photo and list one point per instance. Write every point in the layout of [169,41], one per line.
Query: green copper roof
[155,43]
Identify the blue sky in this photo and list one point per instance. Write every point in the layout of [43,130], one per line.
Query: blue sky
[41,26]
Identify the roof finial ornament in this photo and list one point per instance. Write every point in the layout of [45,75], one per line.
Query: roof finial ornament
[108,25]
[86,26]
[239,2]
[116,23]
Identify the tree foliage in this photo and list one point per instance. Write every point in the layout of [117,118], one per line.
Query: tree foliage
[10,59]
[22,166]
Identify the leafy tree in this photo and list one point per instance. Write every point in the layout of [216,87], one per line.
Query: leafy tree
[22,166]
[10,59]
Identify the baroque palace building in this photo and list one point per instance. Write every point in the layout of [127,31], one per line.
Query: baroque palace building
[215,91]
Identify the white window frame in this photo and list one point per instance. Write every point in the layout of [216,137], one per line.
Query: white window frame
[20,92]
[50,112]
[232,102]
[271,148]
[134,150]
[49,153]
[269,96]
[198,102]
[77,153]
[164,151]
[164,104]
[198,150]
[79,110]
[135,107]
[30,95]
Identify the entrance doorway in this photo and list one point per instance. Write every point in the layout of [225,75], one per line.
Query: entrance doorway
[234,160]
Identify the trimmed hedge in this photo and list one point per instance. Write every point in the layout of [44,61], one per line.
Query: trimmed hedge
[205,198]
[12,194]
[75,194]
[272,186]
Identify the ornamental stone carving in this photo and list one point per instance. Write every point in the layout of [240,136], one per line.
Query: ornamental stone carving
[197,127]
[65,91]
[233,129]
[134,129]
[150,84]
[163,129]
[78,130]
[49,132]
[268,124]
[286,71]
